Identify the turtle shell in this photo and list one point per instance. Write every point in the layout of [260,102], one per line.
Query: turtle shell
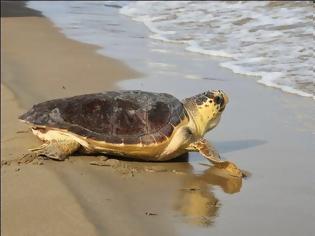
[128,117]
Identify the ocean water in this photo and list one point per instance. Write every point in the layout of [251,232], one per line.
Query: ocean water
[272,41]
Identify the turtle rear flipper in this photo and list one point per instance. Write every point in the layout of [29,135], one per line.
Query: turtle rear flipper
[57,150]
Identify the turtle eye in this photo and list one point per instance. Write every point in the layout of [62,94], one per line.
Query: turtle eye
[218,99]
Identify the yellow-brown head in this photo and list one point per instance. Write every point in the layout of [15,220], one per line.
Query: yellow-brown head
[206,109]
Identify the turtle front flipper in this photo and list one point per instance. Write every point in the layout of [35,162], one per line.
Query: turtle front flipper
[57,150]
[209,152]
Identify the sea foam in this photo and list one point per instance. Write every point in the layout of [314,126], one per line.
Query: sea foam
[270,40]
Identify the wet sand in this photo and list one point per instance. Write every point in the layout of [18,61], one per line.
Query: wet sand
[142,198]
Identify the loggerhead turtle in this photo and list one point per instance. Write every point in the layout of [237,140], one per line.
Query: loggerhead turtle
[137,124]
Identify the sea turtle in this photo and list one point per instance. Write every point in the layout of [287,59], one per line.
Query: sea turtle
[131,123]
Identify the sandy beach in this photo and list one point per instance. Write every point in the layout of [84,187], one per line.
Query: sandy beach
[34,48]
[265,131]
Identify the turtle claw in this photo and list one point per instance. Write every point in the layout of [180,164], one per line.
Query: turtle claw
[27,158]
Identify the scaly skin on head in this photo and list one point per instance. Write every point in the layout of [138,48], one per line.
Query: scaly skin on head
[205,110]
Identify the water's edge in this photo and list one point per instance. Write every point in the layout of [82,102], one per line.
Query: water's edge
[77,22]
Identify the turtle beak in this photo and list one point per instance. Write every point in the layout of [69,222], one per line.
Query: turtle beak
[226,98]
[224,102]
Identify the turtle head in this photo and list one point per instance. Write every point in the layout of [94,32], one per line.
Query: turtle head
[205,109]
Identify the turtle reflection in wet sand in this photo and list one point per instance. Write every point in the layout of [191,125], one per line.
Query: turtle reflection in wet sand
[135,124]
[196,202]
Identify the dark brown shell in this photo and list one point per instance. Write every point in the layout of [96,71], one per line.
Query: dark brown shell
[128,117]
